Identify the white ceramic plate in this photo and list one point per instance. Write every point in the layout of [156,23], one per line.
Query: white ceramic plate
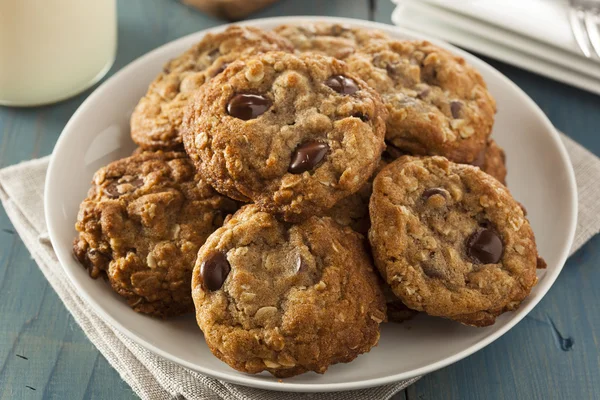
[540,176]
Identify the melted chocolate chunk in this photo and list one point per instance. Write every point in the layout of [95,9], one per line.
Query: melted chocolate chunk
[248,106]
[112,191]
[485,246]
[455,109]
[342,84]
[307,156]
[214,270]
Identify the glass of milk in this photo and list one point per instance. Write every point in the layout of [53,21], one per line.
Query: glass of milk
[51,50]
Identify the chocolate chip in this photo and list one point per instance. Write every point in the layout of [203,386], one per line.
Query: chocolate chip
[214,270]
[485,246]
[342,84]
[111,190]
[363,117]
[136,183]
[433,191]
[220,69]
[307,156]
[455,108]
[423,93]
[248,106]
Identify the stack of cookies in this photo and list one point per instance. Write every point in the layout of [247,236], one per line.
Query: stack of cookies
[297,188]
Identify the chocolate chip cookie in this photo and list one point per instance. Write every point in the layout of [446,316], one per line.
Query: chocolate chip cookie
[450,240]
[141,226]
[335,40]
[294,134]
[437,103]
[157,118]
[353,211]
[273,296]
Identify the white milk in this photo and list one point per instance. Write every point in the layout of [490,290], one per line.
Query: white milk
[54,49]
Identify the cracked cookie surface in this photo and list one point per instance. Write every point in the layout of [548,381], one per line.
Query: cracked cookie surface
[273,296]
[437,103]
[294,134]
[156,120]
[450,240]
[141,226]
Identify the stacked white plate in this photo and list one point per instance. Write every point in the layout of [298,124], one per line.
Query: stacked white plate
[532,34]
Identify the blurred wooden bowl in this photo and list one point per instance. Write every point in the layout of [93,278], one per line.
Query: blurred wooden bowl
[231,10]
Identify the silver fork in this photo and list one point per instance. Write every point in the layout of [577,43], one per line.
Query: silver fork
[584,16]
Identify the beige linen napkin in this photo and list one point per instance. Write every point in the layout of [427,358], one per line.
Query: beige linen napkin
[151,376]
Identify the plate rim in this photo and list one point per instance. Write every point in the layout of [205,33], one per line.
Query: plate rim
[250,380]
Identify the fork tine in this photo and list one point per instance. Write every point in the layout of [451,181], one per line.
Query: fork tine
[591,26]
[576,20]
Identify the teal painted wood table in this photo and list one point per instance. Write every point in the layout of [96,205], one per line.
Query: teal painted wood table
[45,355]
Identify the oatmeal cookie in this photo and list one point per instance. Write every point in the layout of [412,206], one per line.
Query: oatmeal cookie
[492,161]
[273,296]
[450,240]
[157,118]
[335,40]
[141,226]
[294,134]
[353,211]
[437,103]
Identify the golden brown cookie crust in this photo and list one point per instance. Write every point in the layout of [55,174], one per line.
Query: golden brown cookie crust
[250,160]
[491,160]
[334,40]
[424,212]
[297,298]
[156,120]
[353,211]
[494,161]
[437,103]
[142,224]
